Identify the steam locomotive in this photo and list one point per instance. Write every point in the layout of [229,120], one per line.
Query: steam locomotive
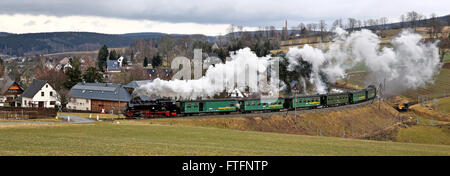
[171,108]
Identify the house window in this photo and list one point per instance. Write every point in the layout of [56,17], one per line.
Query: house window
[87,101]
[42,94]
[52,102]
[51,93]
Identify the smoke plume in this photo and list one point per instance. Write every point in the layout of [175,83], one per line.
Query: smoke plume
[219,78]
[408,65]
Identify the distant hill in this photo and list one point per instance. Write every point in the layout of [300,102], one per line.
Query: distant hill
[157,35]
[43,43]
[2,34]
[445,20]
[56,42]
[144,35]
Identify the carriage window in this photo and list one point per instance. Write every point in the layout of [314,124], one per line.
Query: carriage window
[253,103]
[231,104]
[189,105]
[195,105]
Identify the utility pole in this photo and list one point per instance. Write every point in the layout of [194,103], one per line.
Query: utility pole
[295,105]
[118,106]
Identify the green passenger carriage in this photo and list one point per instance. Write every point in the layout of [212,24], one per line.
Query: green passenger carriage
[208,106]
[337,99]
[260,104]
[358,96]
[304,102]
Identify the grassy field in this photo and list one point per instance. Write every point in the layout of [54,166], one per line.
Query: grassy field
[151,139]
[442,106]
[425,135]
[447,57]
[430,113]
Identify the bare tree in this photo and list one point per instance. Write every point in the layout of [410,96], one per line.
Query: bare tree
[88,62]
[63,96]
[435,26]
[402,20]
[359,24]
[413,18]
[337,23]
[323,29]
[351,23]
[444,44]
[166,47]
[231,33]
[54,77]
[383,21]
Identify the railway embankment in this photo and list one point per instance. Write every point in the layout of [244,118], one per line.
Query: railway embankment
[355,122]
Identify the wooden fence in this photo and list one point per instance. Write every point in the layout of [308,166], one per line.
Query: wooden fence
[27,113]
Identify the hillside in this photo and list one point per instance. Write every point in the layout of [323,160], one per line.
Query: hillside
[357,122]
[105,138]
[42,43]
[58,42]
[2,34]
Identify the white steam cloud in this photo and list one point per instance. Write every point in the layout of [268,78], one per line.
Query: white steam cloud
[410,64]
[219,78]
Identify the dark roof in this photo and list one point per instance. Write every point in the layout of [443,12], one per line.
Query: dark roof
[151,71]
[99,91]
[112,65]
[34,88]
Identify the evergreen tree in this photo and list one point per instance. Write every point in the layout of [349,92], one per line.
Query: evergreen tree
[132,56]
[73,74]
[145,62]
[113,55]
[2,68]
[156,61]
[102,57]
[92,75]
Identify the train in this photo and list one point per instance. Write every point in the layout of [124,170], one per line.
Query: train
[159,108]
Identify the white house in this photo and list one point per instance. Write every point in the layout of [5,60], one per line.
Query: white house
[79,103]
[40,94]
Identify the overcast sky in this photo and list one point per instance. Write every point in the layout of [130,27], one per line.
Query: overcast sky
[210,17]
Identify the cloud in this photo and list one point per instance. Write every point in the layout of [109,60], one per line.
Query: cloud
[247,13]
[30,23]
[37,23]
